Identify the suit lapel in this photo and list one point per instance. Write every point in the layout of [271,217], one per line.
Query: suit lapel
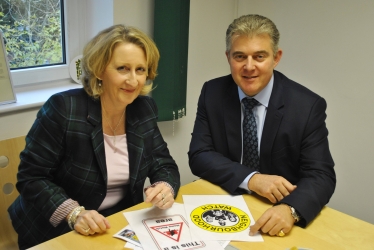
[134,139]
[97,137]
[135,142]
[232,120]
[273,119]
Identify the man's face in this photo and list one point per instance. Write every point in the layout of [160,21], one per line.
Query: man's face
[252,62]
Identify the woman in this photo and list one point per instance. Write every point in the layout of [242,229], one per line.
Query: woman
[90,150]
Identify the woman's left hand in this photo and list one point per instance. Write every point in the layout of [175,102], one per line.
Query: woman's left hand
[159,195]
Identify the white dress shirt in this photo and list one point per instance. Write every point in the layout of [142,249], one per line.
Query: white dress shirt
[259,113]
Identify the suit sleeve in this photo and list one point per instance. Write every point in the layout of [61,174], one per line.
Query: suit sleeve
[316,174]
[43,152]
[163,166]
[208,154]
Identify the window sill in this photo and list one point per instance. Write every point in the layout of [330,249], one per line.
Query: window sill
[35,96]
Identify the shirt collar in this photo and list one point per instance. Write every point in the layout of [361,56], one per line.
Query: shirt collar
[263,97]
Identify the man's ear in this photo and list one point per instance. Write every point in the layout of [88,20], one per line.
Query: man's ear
[278,57]
[227,55]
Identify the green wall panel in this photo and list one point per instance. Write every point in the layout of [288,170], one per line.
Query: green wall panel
[171,25]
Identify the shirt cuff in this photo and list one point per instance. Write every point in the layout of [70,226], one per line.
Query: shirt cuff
[158,182]
[62,211]
[244,184]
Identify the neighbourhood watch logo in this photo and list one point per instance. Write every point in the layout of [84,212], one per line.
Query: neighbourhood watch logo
[220,218]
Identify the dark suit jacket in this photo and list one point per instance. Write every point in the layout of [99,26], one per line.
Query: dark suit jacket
[293,145]
[65,158]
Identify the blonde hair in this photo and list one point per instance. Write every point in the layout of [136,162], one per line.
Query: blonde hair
[98,53]
[253,25]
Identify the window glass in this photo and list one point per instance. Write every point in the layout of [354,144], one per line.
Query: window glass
[33,32]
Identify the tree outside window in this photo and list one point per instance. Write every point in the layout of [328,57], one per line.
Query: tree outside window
[32,31]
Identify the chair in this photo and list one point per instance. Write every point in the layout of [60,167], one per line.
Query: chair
[9,161]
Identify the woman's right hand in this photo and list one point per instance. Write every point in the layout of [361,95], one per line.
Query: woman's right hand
[90,222]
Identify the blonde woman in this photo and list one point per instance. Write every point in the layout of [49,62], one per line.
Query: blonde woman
[90,150]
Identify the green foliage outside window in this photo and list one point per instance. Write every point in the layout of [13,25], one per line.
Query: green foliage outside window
[32,32]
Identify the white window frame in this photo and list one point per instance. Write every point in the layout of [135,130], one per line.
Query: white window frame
[75,34]
[83,20]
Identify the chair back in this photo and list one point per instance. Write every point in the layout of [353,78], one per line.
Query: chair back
[9,161]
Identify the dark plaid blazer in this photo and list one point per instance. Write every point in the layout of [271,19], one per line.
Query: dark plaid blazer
[64,158]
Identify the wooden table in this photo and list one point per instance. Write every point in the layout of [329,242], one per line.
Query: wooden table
[330,230]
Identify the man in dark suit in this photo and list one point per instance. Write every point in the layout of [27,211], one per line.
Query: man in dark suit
[294,168]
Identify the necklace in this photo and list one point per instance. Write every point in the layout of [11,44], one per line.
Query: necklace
[113,130]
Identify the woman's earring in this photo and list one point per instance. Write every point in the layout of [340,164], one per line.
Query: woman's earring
[99,82]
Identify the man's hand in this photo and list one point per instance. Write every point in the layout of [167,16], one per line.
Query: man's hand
[272,187]
[274,220]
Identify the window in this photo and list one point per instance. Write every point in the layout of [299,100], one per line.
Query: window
[33,32]
[55,21]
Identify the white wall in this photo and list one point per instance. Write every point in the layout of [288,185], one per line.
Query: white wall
[99,15]
[16,124]
[327,47]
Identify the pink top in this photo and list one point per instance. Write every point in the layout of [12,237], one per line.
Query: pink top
[118,171]
[117,165]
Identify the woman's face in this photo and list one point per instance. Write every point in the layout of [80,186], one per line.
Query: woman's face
[125,75]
